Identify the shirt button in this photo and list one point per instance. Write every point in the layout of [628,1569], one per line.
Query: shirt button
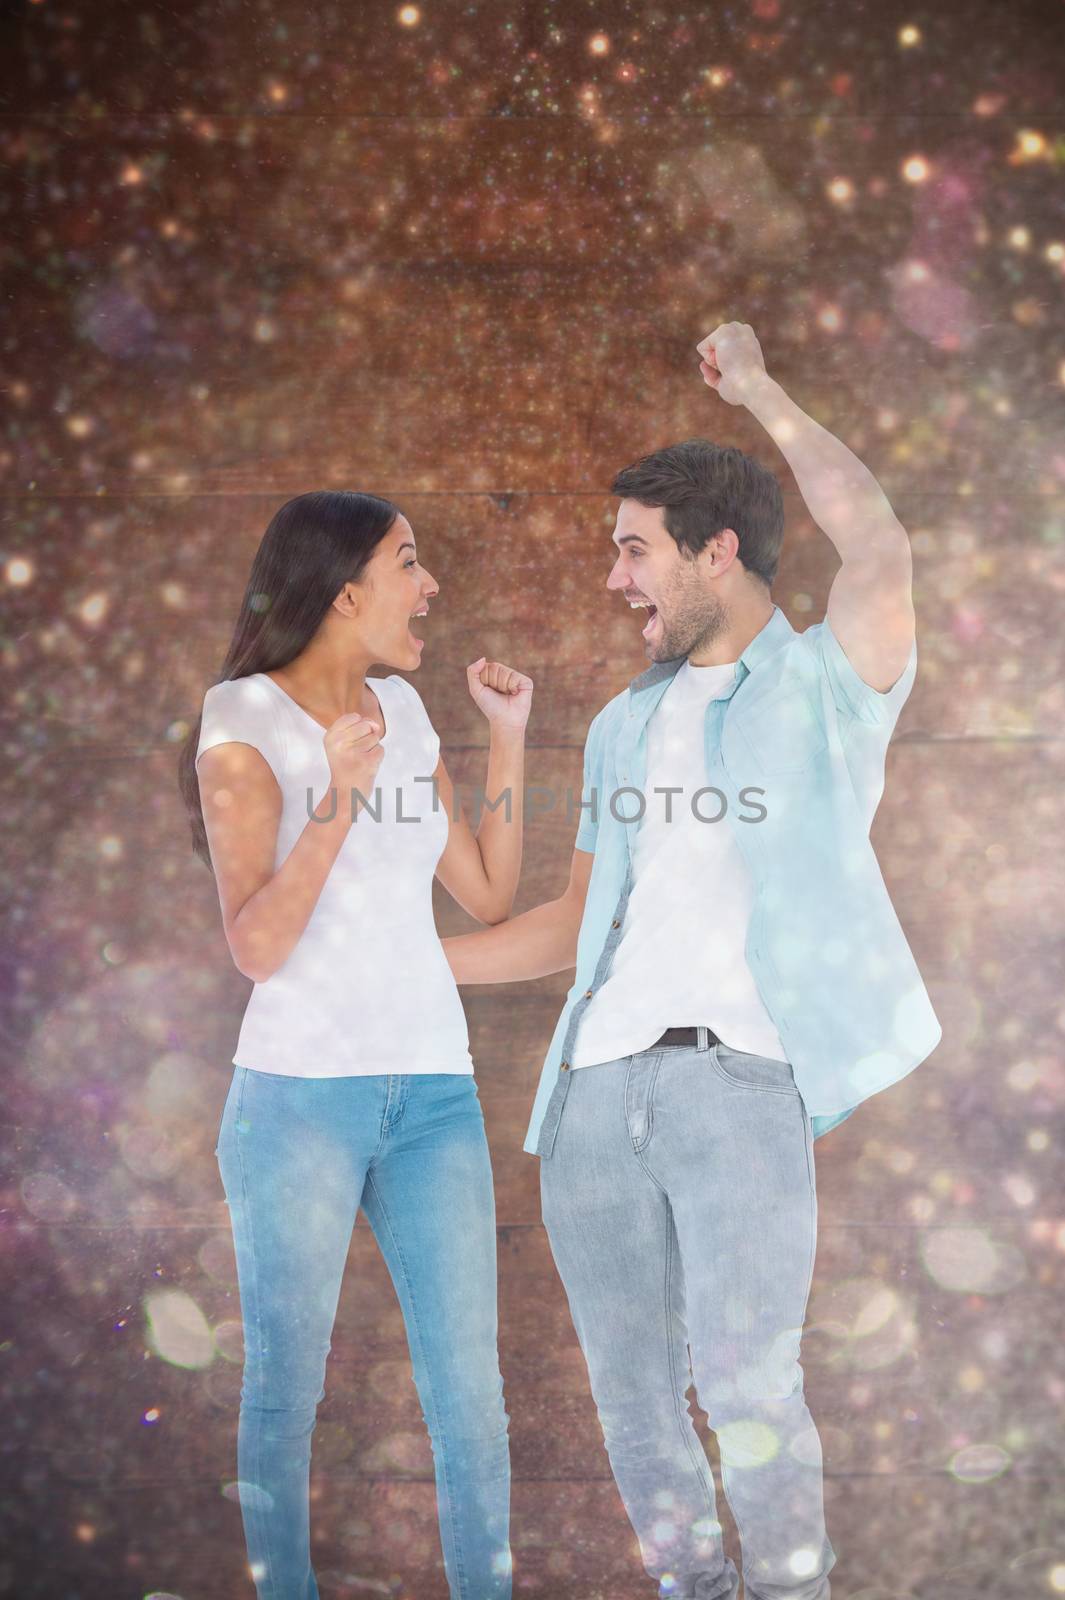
[615,923]
[587,994]
[564,1066]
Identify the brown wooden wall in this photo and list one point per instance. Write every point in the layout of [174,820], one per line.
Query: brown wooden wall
[464,263]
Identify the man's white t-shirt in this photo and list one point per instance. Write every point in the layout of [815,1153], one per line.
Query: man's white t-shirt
[367,988]
[680,958]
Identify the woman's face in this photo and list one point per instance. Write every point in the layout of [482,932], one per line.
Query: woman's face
[393,590]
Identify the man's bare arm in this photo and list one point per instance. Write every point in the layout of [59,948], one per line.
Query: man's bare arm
[870,603]
[531,945]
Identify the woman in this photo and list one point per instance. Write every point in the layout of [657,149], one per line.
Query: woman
[308,789]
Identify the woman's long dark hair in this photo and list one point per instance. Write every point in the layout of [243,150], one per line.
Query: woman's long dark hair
[314,545]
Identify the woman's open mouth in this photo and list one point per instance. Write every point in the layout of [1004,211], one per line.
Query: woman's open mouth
[413,636]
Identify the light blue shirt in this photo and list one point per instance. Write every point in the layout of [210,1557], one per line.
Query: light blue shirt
[799,747]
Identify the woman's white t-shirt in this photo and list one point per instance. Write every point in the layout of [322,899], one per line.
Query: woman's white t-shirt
[367,988]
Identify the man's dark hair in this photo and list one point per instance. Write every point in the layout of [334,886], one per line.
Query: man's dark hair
[704,487]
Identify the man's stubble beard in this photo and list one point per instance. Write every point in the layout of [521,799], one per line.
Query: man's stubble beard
[699,619]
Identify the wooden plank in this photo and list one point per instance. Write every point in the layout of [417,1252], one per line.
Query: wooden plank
[523,582]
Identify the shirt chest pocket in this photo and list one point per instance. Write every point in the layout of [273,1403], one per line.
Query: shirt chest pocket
[783,732]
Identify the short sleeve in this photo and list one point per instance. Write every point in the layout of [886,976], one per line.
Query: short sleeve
[851,693]
[240,711]
[591,799]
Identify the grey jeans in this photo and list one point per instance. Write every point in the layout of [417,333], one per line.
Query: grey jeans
[679,1200]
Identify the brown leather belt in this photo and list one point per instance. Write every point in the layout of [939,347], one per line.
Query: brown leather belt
[685,1036]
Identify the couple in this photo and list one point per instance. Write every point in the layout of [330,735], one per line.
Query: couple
[740,989]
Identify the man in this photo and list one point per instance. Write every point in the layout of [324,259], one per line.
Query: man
[742,981]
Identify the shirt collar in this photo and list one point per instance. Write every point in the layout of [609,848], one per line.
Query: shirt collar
[769,638]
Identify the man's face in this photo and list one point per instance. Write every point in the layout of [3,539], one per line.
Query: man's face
[685,611]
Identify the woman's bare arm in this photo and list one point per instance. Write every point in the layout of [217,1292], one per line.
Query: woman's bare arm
[263,912]
[481,870]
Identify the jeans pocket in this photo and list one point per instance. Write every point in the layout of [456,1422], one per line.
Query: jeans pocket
[743,1070]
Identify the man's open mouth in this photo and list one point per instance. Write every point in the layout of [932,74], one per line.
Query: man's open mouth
[652,610]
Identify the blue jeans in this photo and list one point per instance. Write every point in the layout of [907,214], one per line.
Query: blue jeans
[297,1157]
[678,1197]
